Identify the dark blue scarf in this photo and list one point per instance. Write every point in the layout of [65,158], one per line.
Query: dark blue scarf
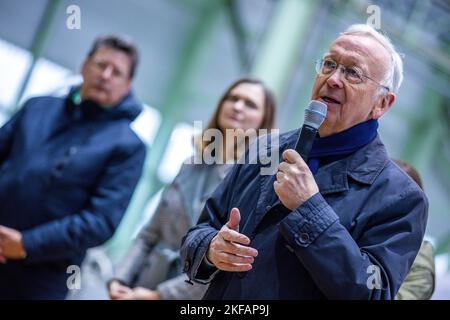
[342,144]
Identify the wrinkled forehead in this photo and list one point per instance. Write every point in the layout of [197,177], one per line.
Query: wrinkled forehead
[361,50]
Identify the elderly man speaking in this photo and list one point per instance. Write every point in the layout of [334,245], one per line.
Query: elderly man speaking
[346,225]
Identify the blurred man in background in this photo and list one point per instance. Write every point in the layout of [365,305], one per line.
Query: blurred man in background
[68,168]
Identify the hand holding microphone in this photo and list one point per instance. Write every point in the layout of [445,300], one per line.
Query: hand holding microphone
[315,115]
[295,183]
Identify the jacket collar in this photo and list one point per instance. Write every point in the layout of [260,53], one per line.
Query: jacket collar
[363,166]
[128,107]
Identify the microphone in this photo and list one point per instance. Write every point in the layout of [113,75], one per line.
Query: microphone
[314,116]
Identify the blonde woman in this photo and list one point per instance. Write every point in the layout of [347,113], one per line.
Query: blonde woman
[151,269]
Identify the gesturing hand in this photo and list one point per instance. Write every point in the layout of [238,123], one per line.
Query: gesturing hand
[229,250]
[11,246]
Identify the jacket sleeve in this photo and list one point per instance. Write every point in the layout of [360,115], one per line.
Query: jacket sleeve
[373,265]
[420,281]
[148,237]
[179,289]
[95,224]
[214,215]
[132,263]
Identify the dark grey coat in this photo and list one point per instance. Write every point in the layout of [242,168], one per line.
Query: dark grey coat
[155,253]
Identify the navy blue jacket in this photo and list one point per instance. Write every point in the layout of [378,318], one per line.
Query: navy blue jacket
[356,239]
[67,173]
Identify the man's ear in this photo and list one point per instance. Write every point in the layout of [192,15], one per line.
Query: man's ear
[383,105]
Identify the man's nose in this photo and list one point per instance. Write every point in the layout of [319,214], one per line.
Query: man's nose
[335,80]
[107,72]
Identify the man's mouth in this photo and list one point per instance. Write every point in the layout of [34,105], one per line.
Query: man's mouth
[99,86]
[330,100]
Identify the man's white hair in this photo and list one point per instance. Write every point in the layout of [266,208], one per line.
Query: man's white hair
[394,76]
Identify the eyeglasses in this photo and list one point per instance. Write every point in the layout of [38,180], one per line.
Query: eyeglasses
[102,66]
[352,74]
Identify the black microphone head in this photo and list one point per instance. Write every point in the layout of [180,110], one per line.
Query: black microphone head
[315,114]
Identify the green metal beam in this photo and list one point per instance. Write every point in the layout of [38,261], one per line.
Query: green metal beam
[285,38]
[412,34]
[426,130]
[239,33]
[38,45]
[443,157]
[191,59]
